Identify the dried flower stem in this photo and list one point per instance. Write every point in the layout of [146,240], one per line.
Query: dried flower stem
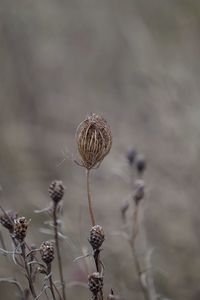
[58,249]
[89,198]
[51,281]
[133,246]
[96,254]
[31,286]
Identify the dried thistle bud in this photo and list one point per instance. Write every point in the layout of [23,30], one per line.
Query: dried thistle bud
[95,283]
[139,191]
[96,237]
[94,140]
[20,228]
[131,155]
[56,190]
[47,252]
[7,220]
[140,163]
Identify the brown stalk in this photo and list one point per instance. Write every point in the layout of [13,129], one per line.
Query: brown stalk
[96,254]
[132,243]
[89,198]
[50,280]
[55,222]
[31,286]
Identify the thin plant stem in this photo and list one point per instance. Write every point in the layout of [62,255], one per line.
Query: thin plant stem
[96,254]
[31,286]
[51,281]
[58,250]
[89,198]
[136,259]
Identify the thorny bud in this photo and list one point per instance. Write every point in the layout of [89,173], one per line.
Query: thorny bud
[139,191]
[95,283]
[20,228]
[56,190]
[140,164]
[96,237]
[94,140]
[47,252]
[131,155]
[7,220]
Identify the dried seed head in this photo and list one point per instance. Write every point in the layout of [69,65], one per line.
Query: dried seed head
[20,228]
[96,237]
[56,190]
[94,140]
[47,252]
[95,283]
[131,155]
[140,163]
[139,191]
[7,220]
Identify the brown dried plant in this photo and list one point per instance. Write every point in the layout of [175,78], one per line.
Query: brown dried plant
[94,141]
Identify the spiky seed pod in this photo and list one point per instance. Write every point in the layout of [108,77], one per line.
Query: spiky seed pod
[56,190]
[95,283]
[20,228]
[140,164]
[96,237]
[94,140]
[131,155]
[7,220]
[139,191]
[47,252]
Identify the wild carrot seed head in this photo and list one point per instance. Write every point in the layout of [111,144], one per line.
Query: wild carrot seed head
[94,140]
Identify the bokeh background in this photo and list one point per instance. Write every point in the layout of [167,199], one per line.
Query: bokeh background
[136,62]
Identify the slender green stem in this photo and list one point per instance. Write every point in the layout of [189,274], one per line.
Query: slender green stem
[89,198]
[58,250]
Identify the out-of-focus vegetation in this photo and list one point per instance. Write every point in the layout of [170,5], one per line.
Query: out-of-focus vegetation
[137,63]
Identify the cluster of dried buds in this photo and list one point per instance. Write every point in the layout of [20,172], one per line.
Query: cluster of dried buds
[16,226]
[95,284]
[47,252]
[138,160]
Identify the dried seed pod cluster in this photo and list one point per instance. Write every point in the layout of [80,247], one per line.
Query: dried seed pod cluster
[47,252]
[96,237]
[20,228]
[56,190]
[94,140]
[7,220]
[95,283]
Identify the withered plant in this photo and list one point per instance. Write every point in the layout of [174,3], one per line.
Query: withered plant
[94,141]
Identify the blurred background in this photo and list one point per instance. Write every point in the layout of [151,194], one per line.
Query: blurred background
[136,62]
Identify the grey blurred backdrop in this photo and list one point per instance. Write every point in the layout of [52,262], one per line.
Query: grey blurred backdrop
[136,63]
